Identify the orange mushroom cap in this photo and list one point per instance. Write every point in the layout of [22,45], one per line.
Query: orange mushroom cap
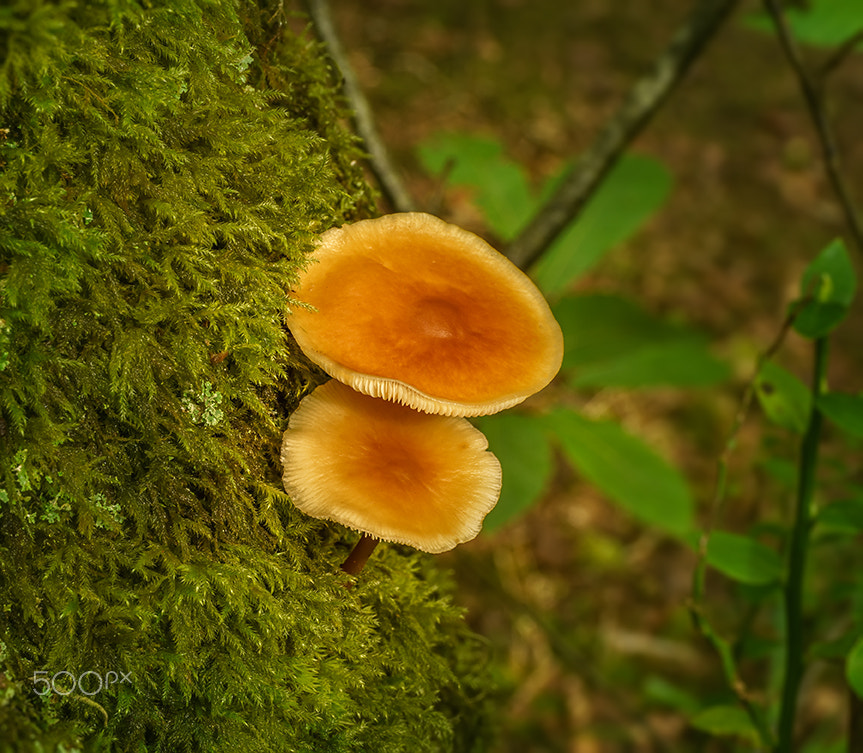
[418,311]
[384,469]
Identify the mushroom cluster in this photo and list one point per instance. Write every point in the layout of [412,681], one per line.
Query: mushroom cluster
[420,323]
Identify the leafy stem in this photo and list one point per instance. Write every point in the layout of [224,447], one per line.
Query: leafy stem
[700,620]
[797,552]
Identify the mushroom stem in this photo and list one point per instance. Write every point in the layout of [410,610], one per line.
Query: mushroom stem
[359,556]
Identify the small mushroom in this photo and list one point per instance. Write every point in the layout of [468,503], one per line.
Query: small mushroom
[388,471]
[421,312]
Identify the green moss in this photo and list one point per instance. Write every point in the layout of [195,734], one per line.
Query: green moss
[164,168]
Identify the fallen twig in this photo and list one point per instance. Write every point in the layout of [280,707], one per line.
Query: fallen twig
[380,162]
[641,103]
[840,55]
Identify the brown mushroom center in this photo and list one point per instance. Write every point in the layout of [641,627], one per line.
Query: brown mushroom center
[395,464]
[436,318]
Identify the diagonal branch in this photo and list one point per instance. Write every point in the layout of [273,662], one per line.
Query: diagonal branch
[813,97]
[639,106]
[841,54]
[379,158]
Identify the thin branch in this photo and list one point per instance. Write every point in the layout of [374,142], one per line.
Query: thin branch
[740,418]
[379,158]
[840,55]
[639,106]
[813,98]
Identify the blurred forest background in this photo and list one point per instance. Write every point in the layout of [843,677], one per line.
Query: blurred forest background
[584,603]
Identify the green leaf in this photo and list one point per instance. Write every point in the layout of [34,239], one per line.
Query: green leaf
[743,559]
[610,341]
[627,470]
[832,649]
[783,397]
[831,280]
[844,410]
[600,327]
[724,720]
[781,470]
[499,185]
[632,192]
[854,668]
[681,363]
[658,689]
[521,445]
[845,514]
[821,23]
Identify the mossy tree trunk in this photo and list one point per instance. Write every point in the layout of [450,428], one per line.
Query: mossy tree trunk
[164,168]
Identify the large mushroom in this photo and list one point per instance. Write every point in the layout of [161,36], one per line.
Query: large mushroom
[388,471]
[421,312]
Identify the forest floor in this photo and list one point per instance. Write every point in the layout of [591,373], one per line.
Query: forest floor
[584,609]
